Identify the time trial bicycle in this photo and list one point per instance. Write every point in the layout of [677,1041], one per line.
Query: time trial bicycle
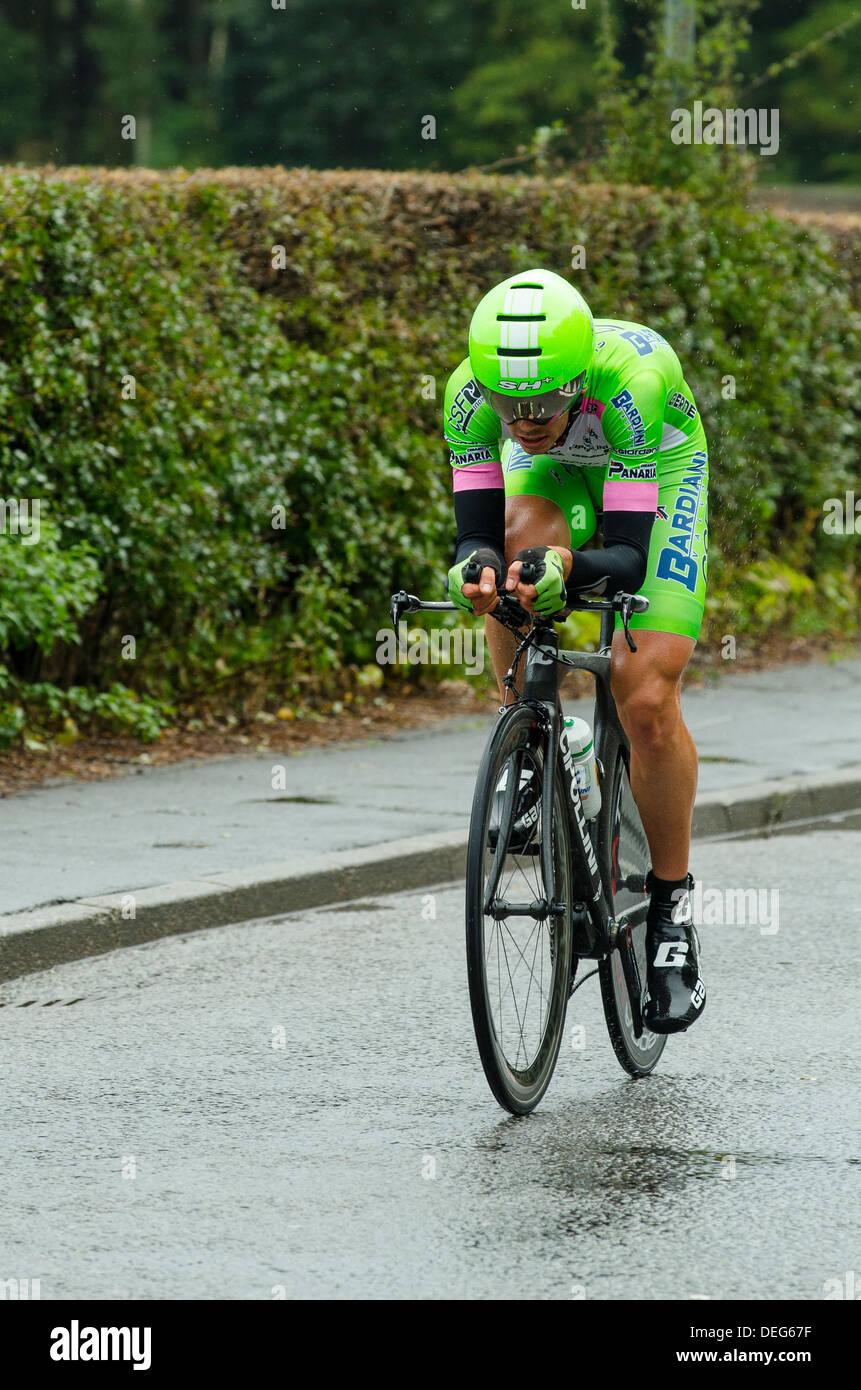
[545,888]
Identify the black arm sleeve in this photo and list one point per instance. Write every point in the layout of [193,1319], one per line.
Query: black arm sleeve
[621,566]
[480,517]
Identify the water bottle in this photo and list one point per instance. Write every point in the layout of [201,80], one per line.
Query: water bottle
[578,736]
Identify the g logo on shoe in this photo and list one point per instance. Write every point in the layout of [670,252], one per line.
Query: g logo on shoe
[679,956]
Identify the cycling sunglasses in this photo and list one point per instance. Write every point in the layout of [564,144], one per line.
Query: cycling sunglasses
[544,407]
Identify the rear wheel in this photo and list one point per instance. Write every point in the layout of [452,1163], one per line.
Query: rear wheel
[623,854]
[518,942]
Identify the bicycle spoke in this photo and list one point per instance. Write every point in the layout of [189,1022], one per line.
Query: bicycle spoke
[539,940]
[520,951]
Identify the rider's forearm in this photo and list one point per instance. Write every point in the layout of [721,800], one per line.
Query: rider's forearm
[480,517]
[620,569]
[621,566]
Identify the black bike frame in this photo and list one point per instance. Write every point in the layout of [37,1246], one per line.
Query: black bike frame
[540,690]
[588,848]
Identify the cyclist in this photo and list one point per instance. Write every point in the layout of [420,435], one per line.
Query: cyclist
[599,422]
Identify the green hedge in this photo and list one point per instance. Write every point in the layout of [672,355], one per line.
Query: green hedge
[300,395]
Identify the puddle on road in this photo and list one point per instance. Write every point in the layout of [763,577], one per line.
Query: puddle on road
[181,844]
[360,906]
[291,800]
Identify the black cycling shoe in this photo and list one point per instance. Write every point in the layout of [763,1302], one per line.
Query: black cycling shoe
[677,994]
[524,837]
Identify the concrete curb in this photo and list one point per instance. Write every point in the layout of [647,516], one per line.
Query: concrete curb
[61,932]
[51,935]
[764,805]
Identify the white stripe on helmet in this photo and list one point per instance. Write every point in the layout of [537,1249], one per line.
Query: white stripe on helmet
[518,335]
[523,301]
[518,368]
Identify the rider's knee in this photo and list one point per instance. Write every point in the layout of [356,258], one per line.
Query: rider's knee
[528,526]
[650,714]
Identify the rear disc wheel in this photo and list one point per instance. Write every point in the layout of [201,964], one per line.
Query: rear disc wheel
[624,857]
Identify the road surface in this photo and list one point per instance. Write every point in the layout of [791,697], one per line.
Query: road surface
[295,1108]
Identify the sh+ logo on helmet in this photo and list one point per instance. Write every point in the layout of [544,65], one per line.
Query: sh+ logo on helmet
[524,385]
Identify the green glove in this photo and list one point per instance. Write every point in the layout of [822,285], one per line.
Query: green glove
[483,557]
[550,595]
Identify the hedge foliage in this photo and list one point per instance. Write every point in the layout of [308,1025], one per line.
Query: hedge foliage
[279,468]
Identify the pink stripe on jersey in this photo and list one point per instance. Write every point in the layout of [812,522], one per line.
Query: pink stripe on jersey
[631,495]
[476,475]
[592,407]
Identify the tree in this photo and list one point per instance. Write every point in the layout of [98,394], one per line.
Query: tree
[227,81]
[536,68]
[348,85]
[808,69]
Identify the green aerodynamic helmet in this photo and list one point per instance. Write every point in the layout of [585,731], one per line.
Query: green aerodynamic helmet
[531,340]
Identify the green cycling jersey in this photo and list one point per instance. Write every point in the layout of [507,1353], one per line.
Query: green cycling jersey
[634,451]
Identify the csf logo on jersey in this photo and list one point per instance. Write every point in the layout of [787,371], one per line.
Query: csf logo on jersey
[464,405]
[525,385]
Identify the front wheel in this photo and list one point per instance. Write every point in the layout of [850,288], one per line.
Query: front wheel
[518,939]
[624,858]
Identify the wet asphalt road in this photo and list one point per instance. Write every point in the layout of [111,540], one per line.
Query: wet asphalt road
[296,1109]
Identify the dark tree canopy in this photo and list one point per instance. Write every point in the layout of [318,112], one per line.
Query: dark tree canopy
[352,83]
